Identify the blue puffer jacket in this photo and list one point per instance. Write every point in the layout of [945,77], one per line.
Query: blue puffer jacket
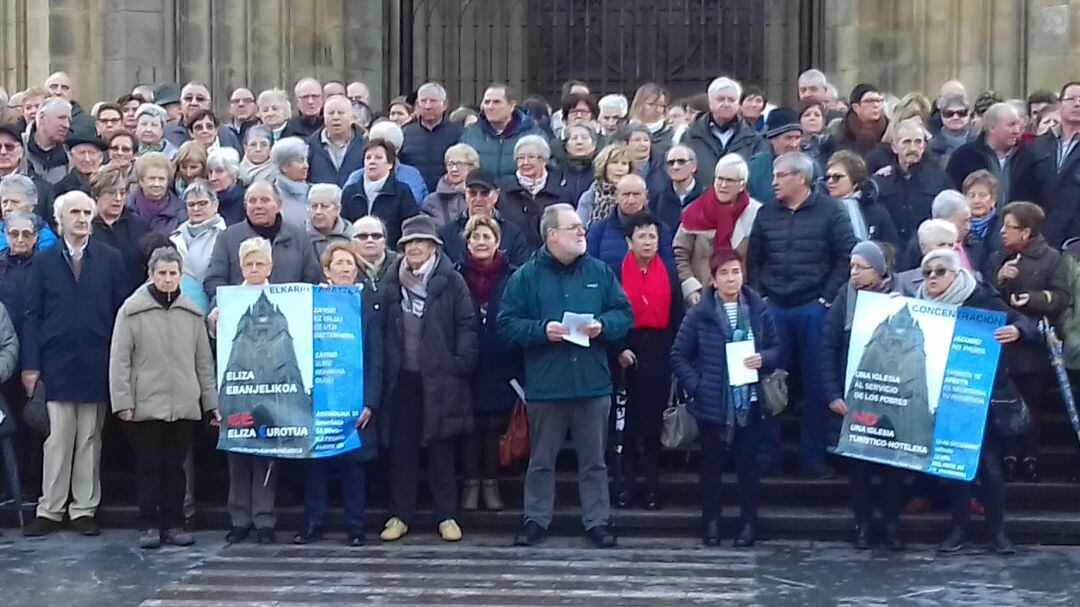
[699,355]
[496,151]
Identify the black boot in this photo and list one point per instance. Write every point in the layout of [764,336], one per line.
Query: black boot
[746,537]
[711,535]
[1029,469]
[1000,543]
[893,538]
[1008,469]
[862,536]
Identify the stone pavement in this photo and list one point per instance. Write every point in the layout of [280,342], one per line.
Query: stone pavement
[68,570]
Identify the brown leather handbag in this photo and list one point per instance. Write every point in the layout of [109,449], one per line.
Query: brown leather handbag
[514,444]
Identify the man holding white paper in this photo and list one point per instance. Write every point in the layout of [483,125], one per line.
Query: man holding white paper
[567,386]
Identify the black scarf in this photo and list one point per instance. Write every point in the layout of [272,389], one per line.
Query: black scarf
[268,232]
[165,299]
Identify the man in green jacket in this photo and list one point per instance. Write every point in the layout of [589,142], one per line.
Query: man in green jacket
[567,380]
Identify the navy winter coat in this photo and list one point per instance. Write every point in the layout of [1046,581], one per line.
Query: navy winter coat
[498,361]
[512,241]
[69,323]
[664,203]
[393,205]
[699,355]
[1037,179]
[908,198]
[321,168]
[606,241]
[425,148]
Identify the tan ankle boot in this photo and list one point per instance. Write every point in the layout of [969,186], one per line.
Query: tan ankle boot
[492,499]
[470,495]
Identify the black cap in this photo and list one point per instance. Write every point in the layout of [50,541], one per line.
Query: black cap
[11,129]
[781,120]
[167,93]
[481,177]
[75,138]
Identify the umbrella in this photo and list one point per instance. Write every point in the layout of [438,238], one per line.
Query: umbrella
[620,422]
[1054,345]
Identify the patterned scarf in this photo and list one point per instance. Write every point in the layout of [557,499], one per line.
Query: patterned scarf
[532,186]
[979,226]
[414,285]
[603,201]
[739,397]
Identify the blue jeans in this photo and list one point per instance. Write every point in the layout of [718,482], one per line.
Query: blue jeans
[799,330]
[351,473]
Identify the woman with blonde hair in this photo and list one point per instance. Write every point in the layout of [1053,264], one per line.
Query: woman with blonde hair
[598,202]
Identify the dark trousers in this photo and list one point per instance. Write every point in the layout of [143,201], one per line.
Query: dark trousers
[27,442]
[1035,389]
[480,449]
[991,484]
[406,438]
[714,454]
[319,472]
[160,448]
[799,329]
[648,387]
[861,474]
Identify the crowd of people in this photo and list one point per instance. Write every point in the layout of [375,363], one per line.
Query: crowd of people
[675,226]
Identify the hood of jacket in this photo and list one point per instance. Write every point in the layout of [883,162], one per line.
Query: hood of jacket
[142,301]
[520,121]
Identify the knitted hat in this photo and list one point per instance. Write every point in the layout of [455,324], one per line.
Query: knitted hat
[872,254]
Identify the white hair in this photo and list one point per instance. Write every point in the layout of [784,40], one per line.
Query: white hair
[946,256]
[535,141]
[325,190]
[287,150]
[354,229]
[63,201]
[432,87]
[797,162]
[996,113]
[276,97]
[724,83]
[389,132]
[192,85]
[20,184]
[224,158]
[615,102]
[53,103]
[813,75]
[933,231]
[153,110]
[734,161]
[948,203]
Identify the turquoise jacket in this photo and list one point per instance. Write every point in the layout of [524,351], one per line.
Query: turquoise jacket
[540,292]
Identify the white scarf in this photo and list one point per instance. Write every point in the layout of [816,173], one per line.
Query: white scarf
[533,186]
[372,188]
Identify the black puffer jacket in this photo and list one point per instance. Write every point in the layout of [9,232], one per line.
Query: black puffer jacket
[1037,179]
[1042,283]
[522,209]
[799,256]
[908,198]
[447,358]
[425,148]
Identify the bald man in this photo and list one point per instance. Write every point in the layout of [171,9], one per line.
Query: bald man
[606,239]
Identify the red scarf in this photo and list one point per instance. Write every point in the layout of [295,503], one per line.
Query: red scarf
[708,213]
[481,278]
[649,292]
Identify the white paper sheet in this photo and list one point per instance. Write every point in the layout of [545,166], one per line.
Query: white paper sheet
[737,353]
[574,321]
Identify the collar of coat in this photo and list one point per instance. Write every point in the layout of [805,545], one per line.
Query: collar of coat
[143,301]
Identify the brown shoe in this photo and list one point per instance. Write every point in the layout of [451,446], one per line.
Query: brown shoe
[470,495]
[492,499]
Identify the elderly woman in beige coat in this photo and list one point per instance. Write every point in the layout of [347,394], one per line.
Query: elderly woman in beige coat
[161,378]
[720,218]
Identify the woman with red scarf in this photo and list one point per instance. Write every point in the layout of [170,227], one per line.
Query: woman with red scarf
[652,286]
[486,270]
[720,219]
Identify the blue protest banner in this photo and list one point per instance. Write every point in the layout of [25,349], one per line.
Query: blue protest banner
[290,370]
[919,379]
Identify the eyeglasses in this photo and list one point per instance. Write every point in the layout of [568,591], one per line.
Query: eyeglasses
[121,148]
[1070,99]
[457,164]
[935,272]
[671,162]
[834,177]
[782,174]
[109,120]
[20,234]
[571,228]
[528,158]
[727,180]
[860,268]
[368,236]
[198,98]
[321,206]
[873,100]
[954,113]
[8,147]
[242,100]
[197,204]
[203,127]
[258,145]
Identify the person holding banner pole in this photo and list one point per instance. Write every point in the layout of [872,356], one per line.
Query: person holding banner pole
[253,479]
[431,351]
[161,377]
[727,415]
[869,272]
[947,281]
[340,266]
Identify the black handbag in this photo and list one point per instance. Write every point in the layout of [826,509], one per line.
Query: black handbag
[36,414]
[1009,413]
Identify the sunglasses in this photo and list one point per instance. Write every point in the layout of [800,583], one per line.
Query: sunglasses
[677,161]
[834,177]
[368,236]
[20,234]
[954,114]
[935,272]
[121,148]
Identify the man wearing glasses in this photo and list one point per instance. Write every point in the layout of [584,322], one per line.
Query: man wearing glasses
[681,189]
[908,190]
[1047,171]
[481,198]
[567,384]
[242,110]
[194,98]
[993,150]
[798,259]
[861,129]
